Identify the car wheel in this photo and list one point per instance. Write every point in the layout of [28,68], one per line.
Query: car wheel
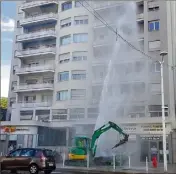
[33,169]
[47,171]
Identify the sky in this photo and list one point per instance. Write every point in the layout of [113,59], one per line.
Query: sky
[8,14]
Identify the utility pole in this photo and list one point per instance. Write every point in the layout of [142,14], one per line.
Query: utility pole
[162,54]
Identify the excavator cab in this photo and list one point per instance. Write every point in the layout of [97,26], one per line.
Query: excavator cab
[80,146]
[82,142]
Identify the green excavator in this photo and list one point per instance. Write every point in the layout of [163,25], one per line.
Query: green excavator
[83,145]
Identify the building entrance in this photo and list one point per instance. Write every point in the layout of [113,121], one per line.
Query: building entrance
[152,146]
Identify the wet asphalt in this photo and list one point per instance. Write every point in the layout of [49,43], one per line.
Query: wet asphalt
[54,172]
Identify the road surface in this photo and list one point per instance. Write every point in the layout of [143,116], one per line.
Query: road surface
[56,172]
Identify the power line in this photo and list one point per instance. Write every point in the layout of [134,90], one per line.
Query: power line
[100,18]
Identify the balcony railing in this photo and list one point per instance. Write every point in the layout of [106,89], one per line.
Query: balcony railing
[98,24]
[39,68]
[26,117]
[31,4]
[39,18]
[140,17]
[36,35]
[106,40]
[23,104]
[32,87]
[105,4]
[36,51]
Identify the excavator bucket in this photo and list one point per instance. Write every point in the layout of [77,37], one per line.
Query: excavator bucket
[123,141]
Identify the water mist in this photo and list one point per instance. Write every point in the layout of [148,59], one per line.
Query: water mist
[116,91]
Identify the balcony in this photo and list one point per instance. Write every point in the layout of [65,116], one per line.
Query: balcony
[40,18]
[35,69]
[27,5]
[99,24]
[36,51]
[140,17]
[39,35]
[33,105]
[34,87]
[106,4]
[107,40]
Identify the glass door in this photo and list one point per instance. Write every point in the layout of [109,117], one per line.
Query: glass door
[144,151]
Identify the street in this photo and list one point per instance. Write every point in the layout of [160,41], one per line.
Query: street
[57,172]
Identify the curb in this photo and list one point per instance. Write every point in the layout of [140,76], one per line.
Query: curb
[110,171]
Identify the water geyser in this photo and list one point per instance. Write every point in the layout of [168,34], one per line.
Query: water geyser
[121,86]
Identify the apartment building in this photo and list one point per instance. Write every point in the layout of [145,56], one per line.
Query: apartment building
[59,65]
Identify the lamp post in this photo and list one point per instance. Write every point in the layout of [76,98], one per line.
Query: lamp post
[162,54]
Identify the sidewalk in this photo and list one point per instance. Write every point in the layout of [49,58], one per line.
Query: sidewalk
[121,170]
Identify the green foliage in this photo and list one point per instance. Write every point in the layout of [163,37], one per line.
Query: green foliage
[4,103]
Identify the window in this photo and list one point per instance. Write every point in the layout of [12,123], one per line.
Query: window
[79,75]
[157,67]
[153,6]
[79,55]
[81,20]
[29,99]
[47,98]
[15,153]
[63,76]
[48,80]
[153,25]
[78,94]
[59,114]
[65,40]
[156,110]
[14,84]
[31,81]
[65,22]
[18,24]
[154,45]
[38,153]
[27,152]
[80,38]
[79,3]
[64,58]
[66,5]
[156,88]
[77,113]
[62,95]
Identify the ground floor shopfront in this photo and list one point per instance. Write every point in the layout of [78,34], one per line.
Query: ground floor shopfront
[143,145]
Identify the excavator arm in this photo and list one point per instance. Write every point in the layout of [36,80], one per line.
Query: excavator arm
[97,133]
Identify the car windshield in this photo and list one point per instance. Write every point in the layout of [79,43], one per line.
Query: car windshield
[48,153]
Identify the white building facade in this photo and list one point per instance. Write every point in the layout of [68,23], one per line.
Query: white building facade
[58,68]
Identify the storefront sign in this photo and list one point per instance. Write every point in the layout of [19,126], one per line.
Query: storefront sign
[150,137]
[22,129]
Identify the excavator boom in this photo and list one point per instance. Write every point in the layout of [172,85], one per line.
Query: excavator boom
[97,133]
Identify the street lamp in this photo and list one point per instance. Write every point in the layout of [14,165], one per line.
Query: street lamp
[162,54]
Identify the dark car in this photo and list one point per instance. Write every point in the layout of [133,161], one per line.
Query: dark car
[29,159]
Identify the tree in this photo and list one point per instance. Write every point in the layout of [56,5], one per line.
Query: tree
[4,103]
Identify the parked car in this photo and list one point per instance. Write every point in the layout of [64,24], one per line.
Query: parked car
[29,159]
